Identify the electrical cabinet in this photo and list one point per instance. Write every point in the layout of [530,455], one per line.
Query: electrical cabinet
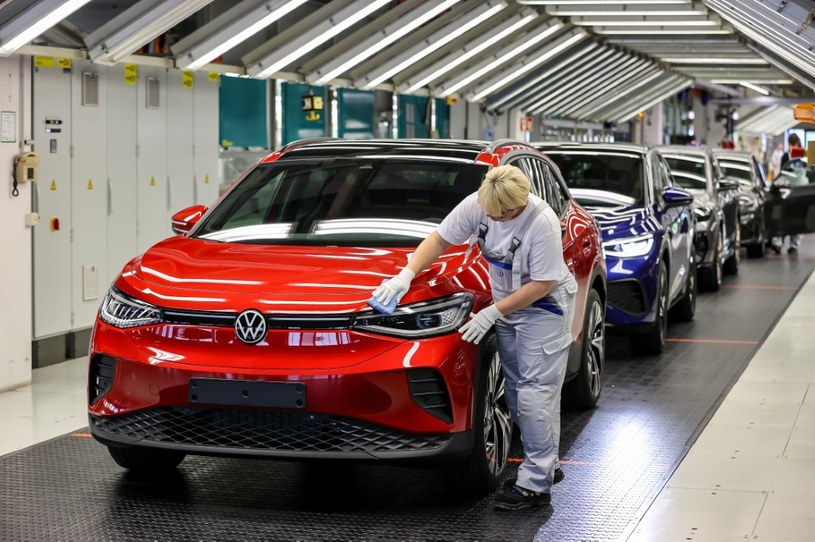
[151,168]
[180,171]
[52,237]
[122,202]
[206,148]
[88,191]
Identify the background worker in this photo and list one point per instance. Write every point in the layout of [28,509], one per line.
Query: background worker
[533,292]
[777,242]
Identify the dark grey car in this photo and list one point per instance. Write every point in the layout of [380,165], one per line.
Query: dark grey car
[753,186]
[716,206]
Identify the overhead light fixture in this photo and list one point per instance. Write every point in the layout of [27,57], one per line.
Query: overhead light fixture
[616,20]
[595,9]
[650,103]
[136,26]
[662,30]
[225,32]
[321,33]
[436,41]
[469,51]
[576,105]
[369,47]
[763,81]
[603,2]
[718,61]
[621,92]
[33,21]
[526,65]
[757,88]
[512,50]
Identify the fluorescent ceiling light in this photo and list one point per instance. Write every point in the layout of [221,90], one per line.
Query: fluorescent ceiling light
[595,2]
[714,60]
[321,33]
[622,92]
[439,39]
[601,10]
[136,26]
[385,37]
[763,81]
[635,21]
[470,50]
[672,90]
[239,30]
[512,50]
[525,66]
[757,88]
[641,31]
[34,21]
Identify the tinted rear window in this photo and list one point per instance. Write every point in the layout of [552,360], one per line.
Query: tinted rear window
[688,171]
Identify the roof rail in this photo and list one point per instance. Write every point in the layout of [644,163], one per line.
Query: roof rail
[500,142]
[306,141]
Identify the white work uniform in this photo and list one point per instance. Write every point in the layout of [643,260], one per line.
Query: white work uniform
[532,342]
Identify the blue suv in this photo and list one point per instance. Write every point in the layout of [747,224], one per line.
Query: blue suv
[648,228]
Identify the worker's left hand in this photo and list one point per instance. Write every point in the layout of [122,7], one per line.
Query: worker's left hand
[478,326]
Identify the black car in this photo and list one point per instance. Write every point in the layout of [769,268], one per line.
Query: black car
[753,187]
[716,206]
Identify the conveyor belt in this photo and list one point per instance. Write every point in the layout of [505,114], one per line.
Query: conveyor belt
[616,457]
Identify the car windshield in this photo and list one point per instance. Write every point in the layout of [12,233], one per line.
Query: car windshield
[372,202]
[797,173]
[688,171]
[588,173]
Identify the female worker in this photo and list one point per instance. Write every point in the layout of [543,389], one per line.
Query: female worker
[533,293]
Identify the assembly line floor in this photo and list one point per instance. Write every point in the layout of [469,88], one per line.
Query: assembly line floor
[748,471]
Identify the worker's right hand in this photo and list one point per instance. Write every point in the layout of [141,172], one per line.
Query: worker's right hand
[397,286]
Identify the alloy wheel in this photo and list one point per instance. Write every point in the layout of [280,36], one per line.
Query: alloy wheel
[497,420]
[597,347]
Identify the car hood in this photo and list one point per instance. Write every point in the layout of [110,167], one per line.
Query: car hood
[702,199]
[196,274]
[617,221]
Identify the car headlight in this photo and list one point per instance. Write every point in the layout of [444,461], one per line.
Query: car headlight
[630,247]
[120,310]
[420,320]
[702,213]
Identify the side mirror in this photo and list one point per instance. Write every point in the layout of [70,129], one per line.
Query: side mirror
[674,197]
[728,184]
[184,220]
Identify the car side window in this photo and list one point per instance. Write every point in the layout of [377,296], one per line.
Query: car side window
[557,198]
[761,177]
[657,180]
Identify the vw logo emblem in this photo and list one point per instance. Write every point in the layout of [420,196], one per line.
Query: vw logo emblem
[250,327]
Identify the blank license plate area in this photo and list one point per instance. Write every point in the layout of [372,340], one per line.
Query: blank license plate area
[249,393]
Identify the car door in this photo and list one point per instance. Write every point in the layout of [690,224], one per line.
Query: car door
[727,193]
[790,205]
[675,222]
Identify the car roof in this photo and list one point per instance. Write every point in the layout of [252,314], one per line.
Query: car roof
[729,153]
[606,147]
[441,149]
[683,149]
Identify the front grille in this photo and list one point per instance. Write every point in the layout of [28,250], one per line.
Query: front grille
[627,296]
[429,392]
[100,376]
[263,431]
[273,321]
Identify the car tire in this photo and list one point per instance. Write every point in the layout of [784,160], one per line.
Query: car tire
[488,460]
[731,265]
[685,308]
[757,250]
[148,460]
[710,278]
[652,342]
[584,390]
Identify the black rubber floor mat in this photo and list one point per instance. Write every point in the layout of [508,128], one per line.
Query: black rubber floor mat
[616,457]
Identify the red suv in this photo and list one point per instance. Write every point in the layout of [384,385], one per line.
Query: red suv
[249,333]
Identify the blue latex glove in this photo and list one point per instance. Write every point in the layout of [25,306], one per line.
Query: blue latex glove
[396,287]
[478,326]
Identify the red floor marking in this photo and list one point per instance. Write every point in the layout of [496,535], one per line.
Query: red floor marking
[81,435]
[758,287]
[710,341]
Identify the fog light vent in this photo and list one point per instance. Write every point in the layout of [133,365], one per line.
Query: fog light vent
[100,377]
[429,392]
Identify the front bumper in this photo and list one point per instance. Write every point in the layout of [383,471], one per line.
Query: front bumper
[631,287]
[704,243]
[374,409]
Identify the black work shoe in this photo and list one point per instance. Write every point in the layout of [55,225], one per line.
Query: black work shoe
[518,498]
[792,250]
[775,249]
[559,476]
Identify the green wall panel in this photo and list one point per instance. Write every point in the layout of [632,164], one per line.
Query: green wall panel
[243,110]
[413,116]
[297,122]
[442,118]
[355,109]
